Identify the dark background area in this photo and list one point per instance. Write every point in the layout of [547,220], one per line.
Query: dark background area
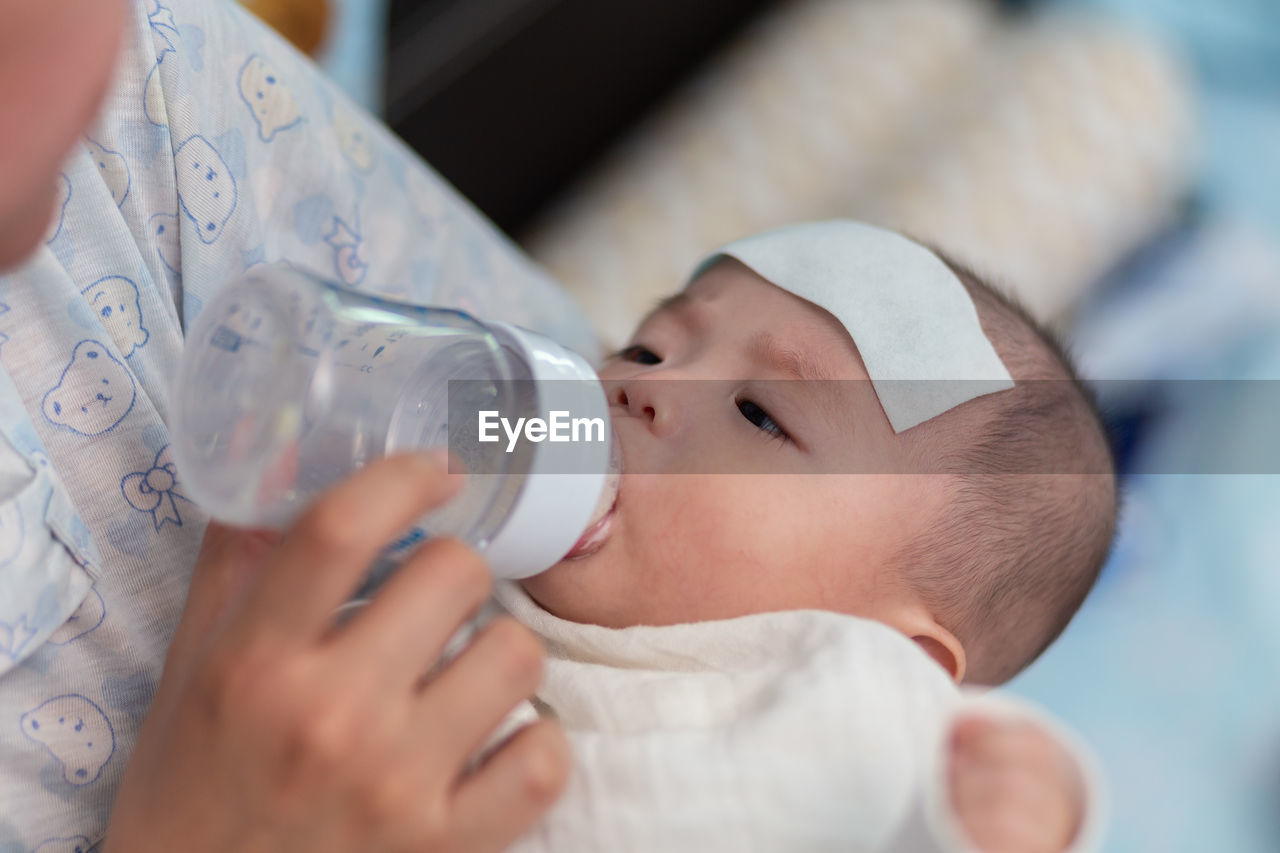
[511,99]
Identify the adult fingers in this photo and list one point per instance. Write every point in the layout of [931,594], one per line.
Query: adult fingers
[324,555]
[229,561]
[513,788]
[401,633]
[464,704]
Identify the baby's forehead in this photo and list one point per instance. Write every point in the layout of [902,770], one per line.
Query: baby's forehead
[732,305]
[728,285]
[742,294]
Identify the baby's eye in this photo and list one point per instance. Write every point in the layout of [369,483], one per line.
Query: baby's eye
[761,419]
[639,355]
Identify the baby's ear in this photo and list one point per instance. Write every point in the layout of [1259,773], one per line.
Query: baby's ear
[944,647]
[914,619]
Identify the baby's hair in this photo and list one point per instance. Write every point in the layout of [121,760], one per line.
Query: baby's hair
[1033,506]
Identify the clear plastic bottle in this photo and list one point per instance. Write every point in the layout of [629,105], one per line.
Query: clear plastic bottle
[289,383]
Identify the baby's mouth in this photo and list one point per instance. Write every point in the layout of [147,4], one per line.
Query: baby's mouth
[595,536]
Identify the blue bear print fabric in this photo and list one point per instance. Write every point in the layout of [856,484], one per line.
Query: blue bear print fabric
[269,99]
[218,149]
[94,392]
[75,732]
[114,299]
[76,844]
[209,195]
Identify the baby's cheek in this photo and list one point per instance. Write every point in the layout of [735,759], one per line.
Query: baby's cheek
[643,528]
[707,543]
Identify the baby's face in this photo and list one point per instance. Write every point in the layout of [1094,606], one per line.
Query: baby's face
[728,505]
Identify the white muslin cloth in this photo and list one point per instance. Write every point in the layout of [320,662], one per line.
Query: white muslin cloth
[787,731]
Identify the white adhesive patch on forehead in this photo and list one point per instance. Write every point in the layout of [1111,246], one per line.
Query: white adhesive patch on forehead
[909,315]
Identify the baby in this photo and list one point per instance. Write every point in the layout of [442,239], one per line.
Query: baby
[973,535]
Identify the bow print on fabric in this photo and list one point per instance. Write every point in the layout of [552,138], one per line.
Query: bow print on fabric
[156,490]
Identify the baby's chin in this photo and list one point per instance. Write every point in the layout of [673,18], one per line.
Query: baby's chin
[557,593]
[570,590]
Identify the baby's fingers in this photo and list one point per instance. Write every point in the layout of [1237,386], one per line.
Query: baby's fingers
[980,790]
[1005,741]
[1012,786]
[1010,832]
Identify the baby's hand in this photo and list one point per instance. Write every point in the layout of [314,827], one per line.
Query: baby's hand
[1014,788]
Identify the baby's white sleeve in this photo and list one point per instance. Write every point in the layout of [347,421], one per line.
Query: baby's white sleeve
[931,826]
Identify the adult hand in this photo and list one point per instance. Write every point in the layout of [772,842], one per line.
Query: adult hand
[272,730]
[1014,788]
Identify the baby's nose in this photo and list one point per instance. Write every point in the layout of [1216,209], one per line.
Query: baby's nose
[633,404]
[644,399]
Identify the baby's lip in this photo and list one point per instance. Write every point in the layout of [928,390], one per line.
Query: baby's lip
[595,536]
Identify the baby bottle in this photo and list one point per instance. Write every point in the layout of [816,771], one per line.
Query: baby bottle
[289,383]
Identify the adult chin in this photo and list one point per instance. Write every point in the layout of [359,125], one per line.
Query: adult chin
[22,229]
[73,45]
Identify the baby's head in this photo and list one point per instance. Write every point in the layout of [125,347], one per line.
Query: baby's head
[777,482]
